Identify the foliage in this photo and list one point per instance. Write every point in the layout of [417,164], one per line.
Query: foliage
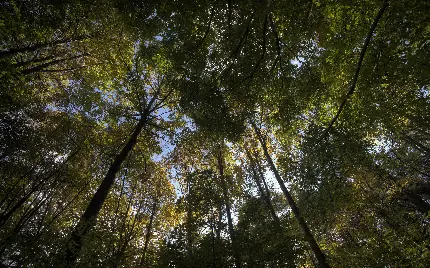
[223,134]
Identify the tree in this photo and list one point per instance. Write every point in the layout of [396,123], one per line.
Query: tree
[189,134]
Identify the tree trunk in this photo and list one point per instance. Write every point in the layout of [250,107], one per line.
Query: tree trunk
[41,67]
[228,210]
[264,195]
[148,235]
[214,261]
[264,180]
[119,255]
[219,223]
[25,217]
[13,51]
[353,83]
[9,191]
[4,217]
[189,226]
[33,61]
[306,231]
[89,218]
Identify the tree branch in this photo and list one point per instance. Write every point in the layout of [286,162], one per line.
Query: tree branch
[357,70]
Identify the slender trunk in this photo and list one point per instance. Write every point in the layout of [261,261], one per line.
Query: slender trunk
[109,247]
[41,67]
[264,181]
[9,192]
[31,211]
[261,174]
[122,232]
[263,194]
[148,235]
[6,215]
[213,240]
[35,60]
[128,235]
[44,215]
[61,211]
[25,217]
[120,253]
[302,223]
[228,210]
[119,256]
[89,218]
[353,83]
[417,144]
[268,203]
[13,51]
[189,218]
[219,223]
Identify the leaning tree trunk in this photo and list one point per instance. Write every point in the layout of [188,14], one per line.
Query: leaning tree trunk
[89,218]
[31,48]
[228,210]
[264,195]
[302,223]
[4,217]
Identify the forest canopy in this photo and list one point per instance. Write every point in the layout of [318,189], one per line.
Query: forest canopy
[215,133]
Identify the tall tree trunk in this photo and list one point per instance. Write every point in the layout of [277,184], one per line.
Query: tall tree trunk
[263,179]
[219,222]
[148,234]
[213,240]
[302,223]
[189,226]
[228,210]
[263,194]
[89,218]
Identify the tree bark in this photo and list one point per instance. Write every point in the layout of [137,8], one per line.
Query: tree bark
[35,60]
[302,223]
[89,218]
